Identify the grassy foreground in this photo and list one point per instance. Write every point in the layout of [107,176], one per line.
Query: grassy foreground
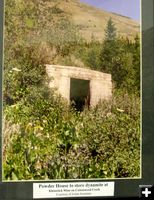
[49,140]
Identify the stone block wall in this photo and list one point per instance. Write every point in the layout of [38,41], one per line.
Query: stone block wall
[100,83]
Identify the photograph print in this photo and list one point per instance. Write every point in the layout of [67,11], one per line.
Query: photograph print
[71,90]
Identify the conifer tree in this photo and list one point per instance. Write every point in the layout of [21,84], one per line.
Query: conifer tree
[121,58]
[108,49]
[110,31]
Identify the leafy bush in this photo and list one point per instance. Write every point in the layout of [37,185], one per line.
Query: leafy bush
[56,142]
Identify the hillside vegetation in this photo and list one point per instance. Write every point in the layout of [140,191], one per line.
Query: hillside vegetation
[43,136]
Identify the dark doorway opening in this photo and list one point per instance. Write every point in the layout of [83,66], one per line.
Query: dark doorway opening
[80,93]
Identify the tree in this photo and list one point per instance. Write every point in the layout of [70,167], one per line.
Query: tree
[121,58]
[110,31]
[108,51]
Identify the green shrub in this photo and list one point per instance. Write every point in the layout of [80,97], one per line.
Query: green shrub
[56,142]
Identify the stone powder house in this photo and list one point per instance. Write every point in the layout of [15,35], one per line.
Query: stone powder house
[81,85]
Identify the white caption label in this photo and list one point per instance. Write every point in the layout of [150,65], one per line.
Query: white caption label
[72,189]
